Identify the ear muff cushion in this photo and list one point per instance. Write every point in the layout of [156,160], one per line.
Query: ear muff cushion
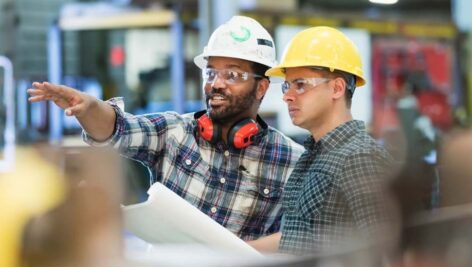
[207,129]
[242,133]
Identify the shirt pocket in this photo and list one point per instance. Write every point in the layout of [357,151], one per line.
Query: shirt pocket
[260,198]
[187,174]
[313,196]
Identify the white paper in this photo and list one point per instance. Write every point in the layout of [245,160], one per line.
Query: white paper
[166,218]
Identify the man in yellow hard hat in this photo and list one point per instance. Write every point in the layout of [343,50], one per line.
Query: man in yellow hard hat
[337,193]
[225,160]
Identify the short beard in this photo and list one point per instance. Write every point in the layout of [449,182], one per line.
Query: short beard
[238,104]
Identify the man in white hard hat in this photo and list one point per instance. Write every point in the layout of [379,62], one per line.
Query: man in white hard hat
[337,195]
[225,160]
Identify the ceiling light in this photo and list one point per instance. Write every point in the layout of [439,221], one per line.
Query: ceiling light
[384,2]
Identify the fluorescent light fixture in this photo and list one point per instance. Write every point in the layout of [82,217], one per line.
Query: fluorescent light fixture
[384,2]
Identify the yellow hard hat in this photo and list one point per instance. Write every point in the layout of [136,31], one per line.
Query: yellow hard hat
[321,47]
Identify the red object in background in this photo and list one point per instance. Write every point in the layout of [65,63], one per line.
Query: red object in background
[424,64]
[438,63]
[117,56]
[434,105]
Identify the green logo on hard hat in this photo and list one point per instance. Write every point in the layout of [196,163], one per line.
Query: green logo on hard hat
[241,36]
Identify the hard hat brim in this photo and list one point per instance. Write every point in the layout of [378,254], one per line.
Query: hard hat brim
[201,60]
[278,71]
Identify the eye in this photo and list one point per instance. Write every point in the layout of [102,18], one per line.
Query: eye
[300,84]
[209,74]
[285,86]
[233,75]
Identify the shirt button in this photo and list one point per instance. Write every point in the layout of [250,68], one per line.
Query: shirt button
[266,191]
[226,153]
[222,180]
[213,209]
[188,161]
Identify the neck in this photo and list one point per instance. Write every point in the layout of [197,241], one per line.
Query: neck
[330,123]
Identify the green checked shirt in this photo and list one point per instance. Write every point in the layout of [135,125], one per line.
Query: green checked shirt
[239,188]
[336,192]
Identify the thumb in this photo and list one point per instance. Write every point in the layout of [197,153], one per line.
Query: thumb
[74,110]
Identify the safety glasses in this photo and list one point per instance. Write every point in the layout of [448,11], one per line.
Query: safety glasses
[229,76]
[303,85]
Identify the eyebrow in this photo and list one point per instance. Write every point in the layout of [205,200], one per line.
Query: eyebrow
[229,66]
[297,79]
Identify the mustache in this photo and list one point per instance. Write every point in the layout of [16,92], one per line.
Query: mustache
[216,91]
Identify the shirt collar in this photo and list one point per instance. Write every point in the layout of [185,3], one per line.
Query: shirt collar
[336,137]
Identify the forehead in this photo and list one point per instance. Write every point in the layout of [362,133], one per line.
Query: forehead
[228,62]
[302,72]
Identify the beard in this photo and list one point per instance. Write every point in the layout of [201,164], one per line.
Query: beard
[239,104]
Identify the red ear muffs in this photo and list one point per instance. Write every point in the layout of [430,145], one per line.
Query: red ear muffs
[242,133]
[207,130]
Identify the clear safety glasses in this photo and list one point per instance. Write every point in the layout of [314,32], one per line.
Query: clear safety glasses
[229,76]
[303,85]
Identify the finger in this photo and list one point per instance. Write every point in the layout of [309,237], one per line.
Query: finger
[35,92]
[60,91]
[58,88]
[53,88]
[37,98]
[38,85]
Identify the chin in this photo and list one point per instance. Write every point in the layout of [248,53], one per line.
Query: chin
[299,123]
[295,122]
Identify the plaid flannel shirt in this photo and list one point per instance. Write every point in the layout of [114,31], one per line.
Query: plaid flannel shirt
[240,189]
[336,193]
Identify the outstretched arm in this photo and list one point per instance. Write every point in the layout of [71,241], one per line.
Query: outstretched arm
[96,117]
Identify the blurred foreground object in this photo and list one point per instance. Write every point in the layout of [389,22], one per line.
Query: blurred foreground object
[32,187]
[85,230]
[455,169]
[442,238]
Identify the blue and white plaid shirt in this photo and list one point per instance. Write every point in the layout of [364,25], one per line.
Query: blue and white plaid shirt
[338,194]
[240,189]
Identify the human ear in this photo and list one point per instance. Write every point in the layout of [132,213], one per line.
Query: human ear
[339,88]
[262,86]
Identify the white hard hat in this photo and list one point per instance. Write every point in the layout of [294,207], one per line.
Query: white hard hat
[241,37]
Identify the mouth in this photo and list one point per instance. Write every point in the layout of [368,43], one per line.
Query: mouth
[292,111]
[216,100]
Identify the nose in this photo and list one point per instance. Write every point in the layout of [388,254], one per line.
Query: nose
[218,82]
[289,96]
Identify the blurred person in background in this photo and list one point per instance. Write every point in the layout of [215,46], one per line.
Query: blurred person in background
[338,193]
[225,160]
